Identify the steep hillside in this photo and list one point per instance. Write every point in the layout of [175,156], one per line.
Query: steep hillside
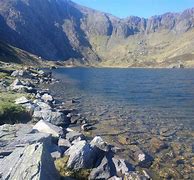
[63,30]
[10,54]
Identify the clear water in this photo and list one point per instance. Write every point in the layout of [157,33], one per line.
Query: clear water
[137,103]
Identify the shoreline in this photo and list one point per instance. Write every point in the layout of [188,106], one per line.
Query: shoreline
[59,117]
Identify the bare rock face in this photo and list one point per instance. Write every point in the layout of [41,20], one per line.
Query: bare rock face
[32,162]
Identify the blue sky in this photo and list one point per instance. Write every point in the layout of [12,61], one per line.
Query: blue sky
[142,8]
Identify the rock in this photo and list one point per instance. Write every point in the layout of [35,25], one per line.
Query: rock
[99,143]
[42,105]
[121,166]
[63,144]
[72,135]
[58,119]
[54,117]
[76,140]
[86,127]
[17,73]
[47,98]
[41,72]
[56,155]
[46,127]
[16,82]
[21,100]
[143,159]
[32,162]
[168,133]
[30,139]
[81,155]
[29,108]
[115,178]
[103,171]
[17,85]
[157,145]
[3,86]
[134,176]
[19,135]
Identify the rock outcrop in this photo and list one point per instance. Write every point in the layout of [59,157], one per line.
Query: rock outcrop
[31,162]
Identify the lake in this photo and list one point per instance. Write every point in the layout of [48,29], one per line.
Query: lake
[131,106]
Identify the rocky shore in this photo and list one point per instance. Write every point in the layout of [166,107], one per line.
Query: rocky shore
[44,146]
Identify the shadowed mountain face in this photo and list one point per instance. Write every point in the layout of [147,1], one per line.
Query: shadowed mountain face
[61,29]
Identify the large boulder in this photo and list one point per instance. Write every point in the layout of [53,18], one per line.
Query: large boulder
[46,127]
[32,162]
[81,155]
[54,117]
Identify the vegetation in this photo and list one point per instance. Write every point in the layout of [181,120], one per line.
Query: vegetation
[9,112]
[61,166]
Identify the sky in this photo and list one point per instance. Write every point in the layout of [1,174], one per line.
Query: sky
[141,8]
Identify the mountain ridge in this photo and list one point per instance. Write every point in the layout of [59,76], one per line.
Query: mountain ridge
[64,30]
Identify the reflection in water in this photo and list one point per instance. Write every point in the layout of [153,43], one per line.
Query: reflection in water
[132,106]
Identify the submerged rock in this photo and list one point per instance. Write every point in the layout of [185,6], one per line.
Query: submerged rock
[32,162]
[157,145]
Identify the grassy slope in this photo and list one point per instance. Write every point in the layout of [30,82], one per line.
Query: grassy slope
[12,54]
[159,49]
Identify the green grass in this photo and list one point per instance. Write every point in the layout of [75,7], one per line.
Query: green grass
[10,113]
[61,166]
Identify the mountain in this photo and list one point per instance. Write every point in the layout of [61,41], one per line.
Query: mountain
[11,54]
[63,30]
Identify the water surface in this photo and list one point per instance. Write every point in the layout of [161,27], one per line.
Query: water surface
[135,103]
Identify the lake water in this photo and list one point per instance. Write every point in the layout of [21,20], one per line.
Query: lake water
[135,105]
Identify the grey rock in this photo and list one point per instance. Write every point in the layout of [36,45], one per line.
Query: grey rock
[29,108]
[81,155]
[115,178]
[31,162]
[43,105]
[120,166]
[135,176]
[47,98]
[103,171]
[21,100]
[86,127]
[99,143]
[142,158]
[30,138]
[58,119]
[63,144]
[46,127]
[72,135]
[17,73]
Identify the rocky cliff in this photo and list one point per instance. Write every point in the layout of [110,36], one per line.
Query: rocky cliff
[63,30]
